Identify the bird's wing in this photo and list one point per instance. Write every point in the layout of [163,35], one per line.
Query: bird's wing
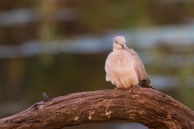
[139,66]
[108,67]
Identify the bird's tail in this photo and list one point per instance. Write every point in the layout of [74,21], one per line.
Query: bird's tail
[146,83]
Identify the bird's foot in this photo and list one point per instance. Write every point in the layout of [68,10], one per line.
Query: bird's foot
[116,88]
[132,90]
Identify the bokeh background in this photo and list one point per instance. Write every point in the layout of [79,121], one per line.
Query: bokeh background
[60,46]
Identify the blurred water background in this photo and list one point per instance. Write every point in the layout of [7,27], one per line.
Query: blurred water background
[60,46]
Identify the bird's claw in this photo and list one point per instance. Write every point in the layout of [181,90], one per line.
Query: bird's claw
[132,90]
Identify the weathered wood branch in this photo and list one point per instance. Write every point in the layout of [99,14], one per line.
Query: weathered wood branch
[147,106]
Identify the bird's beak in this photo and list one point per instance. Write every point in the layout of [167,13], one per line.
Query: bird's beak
[123,46]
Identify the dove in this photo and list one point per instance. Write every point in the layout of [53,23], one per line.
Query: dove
[124,68]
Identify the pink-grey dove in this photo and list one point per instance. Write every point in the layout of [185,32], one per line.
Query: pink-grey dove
[124,68]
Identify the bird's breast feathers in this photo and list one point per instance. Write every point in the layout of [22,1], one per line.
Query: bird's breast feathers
[119,63]
[120,70]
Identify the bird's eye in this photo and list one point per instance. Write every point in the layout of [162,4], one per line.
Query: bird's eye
[116,42]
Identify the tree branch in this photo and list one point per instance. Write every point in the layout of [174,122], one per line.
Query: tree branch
[147,106]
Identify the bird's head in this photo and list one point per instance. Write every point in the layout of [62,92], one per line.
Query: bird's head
[119,43]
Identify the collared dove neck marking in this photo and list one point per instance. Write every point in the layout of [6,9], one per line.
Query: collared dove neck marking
[124,68]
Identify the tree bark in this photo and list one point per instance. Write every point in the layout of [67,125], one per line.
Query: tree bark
[147,106]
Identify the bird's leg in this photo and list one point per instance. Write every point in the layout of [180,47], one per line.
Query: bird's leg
[132,89]
[114,83]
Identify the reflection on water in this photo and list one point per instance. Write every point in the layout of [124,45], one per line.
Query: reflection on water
[111,125]
[180,37]
[26,16]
